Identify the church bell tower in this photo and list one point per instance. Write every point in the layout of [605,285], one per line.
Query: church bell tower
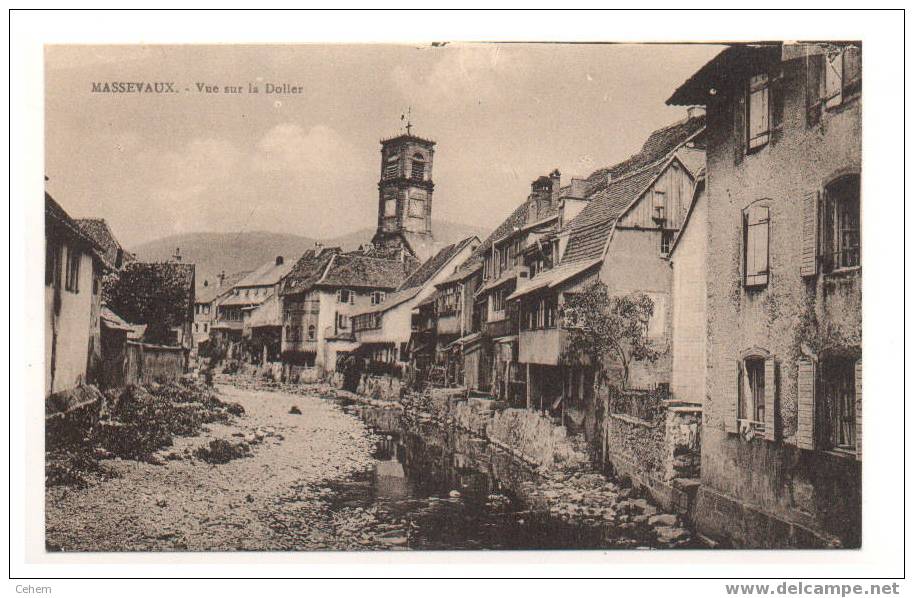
[405,195]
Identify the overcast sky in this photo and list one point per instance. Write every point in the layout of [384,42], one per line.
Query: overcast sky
[155,165]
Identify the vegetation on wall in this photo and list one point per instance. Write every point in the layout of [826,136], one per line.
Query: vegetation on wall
[603,329]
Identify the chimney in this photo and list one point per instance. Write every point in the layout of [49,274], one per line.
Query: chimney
[221,278]
[556,177]
[695,111]
[318,247]
[279,260]
[177,256]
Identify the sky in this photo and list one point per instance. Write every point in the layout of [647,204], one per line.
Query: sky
[154,165]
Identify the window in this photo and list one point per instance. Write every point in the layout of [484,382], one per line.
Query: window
[73,258]
[312,332]
[498,300]
[841,225]
[293,334]
[666,241]
[52,256]
[205,326]
[758,112]
[756,222]
[837,405]
[378,297]
[345,296]
[752,391]
[391,166]
[418,168]
[842,75]
[549,310]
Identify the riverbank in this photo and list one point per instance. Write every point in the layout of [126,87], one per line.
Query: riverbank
[273,498]
[556,480]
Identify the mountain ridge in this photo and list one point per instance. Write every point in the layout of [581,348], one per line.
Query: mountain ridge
[214,252]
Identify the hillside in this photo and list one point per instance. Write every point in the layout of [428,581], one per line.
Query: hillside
[233,252]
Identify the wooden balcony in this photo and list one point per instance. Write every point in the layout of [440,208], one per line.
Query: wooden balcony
[542,346]
[497,328]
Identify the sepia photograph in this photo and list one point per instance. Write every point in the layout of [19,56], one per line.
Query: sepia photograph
[453,296]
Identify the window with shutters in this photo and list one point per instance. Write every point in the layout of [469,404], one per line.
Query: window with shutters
[73,259]
[842,75]
[378,297]
[756,222]
[312,332]
[841,224]
[52,264]
[758,114]
[345,296]
[342,322]
[836,409]
[752,391]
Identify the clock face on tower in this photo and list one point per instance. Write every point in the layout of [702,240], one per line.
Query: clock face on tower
[405,189]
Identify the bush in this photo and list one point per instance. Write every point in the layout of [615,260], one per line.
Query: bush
[222,451]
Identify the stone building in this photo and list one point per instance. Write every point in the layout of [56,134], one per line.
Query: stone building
[323,292]
[782,431]
[405,192]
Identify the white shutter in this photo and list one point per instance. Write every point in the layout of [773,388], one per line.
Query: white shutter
[810,243]
[858,406]
[806,403]
[732,382]
[834,79]
[771,398]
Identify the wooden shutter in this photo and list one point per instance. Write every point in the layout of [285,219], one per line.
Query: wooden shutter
[732,384]
[814,67]
[739,127]
[771,398]
[809,253]
[834,79]
[858,407]
[806,403]
[776,100]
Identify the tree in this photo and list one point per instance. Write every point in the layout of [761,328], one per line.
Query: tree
[604,328]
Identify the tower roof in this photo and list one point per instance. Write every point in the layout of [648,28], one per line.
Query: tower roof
[407,137]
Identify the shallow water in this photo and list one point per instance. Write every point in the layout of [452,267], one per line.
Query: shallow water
[433,488]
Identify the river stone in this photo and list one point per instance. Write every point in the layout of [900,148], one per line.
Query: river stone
[664,519]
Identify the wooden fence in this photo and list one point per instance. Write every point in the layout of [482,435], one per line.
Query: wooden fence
[144,363]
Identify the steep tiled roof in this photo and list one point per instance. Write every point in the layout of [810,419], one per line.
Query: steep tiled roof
[461,274]
[99,231]
[58,222]
[517,219]
[660,143]
[268,274]
[614,188]
[392,300]
[431,266]
[725,70]
[208,292]
[307,270]
[591,227]
[359,270]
